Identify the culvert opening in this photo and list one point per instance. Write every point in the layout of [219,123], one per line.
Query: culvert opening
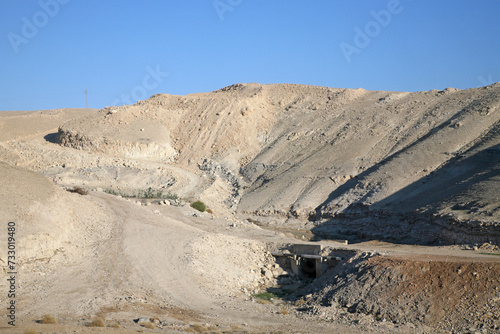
[302,264]
[308,267]
[305,260]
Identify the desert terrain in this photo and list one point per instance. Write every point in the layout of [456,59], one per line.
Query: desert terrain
[399,191]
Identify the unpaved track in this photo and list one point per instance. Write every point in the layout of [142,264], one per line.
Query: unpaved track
[137,260]
[157,248]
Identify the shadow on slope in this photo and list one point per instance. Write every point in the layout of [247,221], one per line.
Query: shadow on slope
[52,138]
[420,213]
[353,183]
[444,185]
[458,203]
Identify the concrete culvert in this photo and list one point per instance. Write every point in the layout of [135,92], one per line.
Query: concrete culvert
[308,266]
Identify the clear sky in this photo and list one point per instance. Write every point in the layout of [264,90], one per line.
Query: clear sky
[51,51]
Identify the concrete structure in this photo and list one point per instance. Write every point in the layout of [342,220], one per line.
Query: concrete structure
[306,260]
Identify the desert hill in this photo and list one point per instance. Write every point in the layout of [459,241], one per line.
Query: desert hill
[316,153]
[100,199]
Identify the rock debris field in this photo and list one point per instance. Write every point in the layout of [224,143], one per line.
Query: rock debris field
[397,193]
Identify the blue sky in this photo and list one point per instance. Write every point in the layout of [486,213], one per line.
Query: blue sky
[124,50]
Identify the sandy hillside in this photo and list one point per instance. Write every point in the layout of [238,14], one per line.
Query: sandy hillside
[101,199]
[316,153]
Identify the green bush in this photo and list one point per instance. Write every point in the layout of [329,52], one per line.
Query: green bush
[199,205]
[149,193]
[170,196]
[111,192]
[268,295]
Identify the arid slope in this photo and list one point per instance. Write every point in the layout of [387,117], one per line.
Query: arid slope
[355,164]
[317,153]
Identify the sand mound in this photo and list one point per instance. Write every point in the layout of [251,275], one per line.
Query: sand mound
[20,189]
[35,122]
[48,219]
[235,270]
[186,129]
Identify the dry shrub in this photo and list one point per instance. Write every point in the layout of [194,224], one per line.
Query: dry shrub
[299,302]
[196,328]
[262,301]
[30,331]
[210,211]
[149,325]
[48,319]
[97,322]
[283,311]
[115,325]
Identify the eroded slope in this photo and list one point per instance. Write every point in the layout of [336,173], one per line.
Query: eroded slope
[321,153]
